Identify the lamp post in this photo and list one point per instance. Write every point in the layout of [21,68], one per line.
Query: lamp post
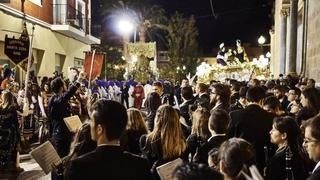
[261,41]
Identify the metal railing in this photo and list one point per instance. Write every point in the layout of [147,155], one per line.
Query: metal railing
[67,14]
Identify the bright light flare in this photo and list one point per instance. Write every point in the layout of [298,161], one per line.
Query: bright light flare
[125,26]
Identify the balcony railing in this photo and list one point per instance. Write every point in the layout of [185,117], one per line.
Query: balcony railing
[67,14]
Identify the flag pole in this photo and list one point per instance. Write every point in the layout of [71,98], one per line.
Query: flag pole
[26,103]
[91,66]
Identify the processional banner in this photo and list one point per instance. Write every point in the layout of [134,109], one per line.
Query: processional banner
[97,63]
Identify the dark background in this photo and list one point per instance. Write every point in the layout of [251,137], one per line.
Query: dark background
[232,19]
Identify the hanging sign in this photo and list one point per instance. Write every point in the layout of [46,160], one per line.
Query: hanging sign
[16,49]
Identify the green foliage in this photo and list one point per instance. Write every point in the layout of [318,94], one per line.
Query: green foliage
[113,67]
[181,33]
[182,44]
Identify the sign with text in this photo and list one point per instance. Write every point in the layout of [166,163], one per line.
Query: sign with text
[16,49]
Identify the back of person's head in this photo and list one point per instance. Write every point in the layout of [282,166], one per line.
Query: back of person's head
[195,171]
[136,120]
[270,84]
[288,125]
[111,115]
[235,85]
[202,87]
[9,101]
[254,83]
[223,91]
[218,121]
[153,102]
[83,142]
[235,154]
[187,92]
[279,87]
[157,83]
[255,94]
[243,91]
[168,129]
[200,119]
[272,104]
[56,84]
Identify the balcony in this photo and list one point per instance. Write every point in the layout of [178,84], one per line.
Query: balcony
[73,23]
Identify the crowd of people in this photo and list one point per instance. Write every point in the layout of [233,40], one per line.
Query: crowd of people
[222,130]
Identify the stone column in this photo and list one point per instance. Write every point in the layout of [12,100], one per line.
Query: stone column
[293,37]
[283,40]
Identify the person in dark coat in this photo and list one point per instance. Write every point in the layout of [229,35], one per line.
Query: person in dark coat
[253,124]
[290,160]
[9,136]
[166,142]
[152,103]
[108,160]
[125,95]
[218,122]
[202,98]
[59,108]
[136,127]
[188,101]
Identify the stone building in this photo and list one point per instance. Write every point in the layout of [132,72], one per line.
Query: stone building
[295,40]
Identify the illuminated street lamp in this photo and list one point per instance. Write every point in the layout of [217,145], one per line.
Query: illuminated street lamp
[125,27]
[261,41]
[268,55]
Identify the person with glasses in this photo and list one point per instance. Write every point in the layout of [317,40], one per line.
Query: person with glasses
[311,143]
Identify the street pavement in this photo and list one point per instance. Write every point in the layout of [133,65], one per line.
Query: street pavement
[32,170]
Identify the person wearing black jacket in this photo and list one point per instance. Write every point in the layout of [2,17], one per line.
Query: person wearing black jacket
[59,108]
[108,160]
[253,124]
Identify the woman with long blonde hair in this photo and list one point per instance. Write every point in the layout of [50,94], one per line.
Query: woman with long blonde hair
[136,127]
[166,142]
[199,131]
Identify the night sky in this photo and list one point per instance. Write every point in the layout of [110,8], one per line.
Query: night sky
[230,20]
[233,19]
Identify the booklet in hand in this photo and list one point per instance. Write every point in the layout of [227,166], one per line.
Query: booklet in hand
[46,156]
[73,123]
[165,171]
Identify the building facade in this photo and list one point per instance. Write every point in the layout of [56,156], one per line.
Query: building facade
[62,32]
[295,42]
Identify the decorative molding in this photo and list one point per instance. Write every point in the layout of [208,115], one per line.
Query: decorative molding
[285,12]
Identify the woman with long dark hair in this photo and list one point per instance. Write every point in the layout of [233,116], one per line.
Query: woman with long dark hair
[10,136]
[289,161]
[310,101]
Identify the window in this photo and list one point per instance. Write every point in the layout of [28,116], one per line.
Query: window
[59,62]
[78,63]
[80,6]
